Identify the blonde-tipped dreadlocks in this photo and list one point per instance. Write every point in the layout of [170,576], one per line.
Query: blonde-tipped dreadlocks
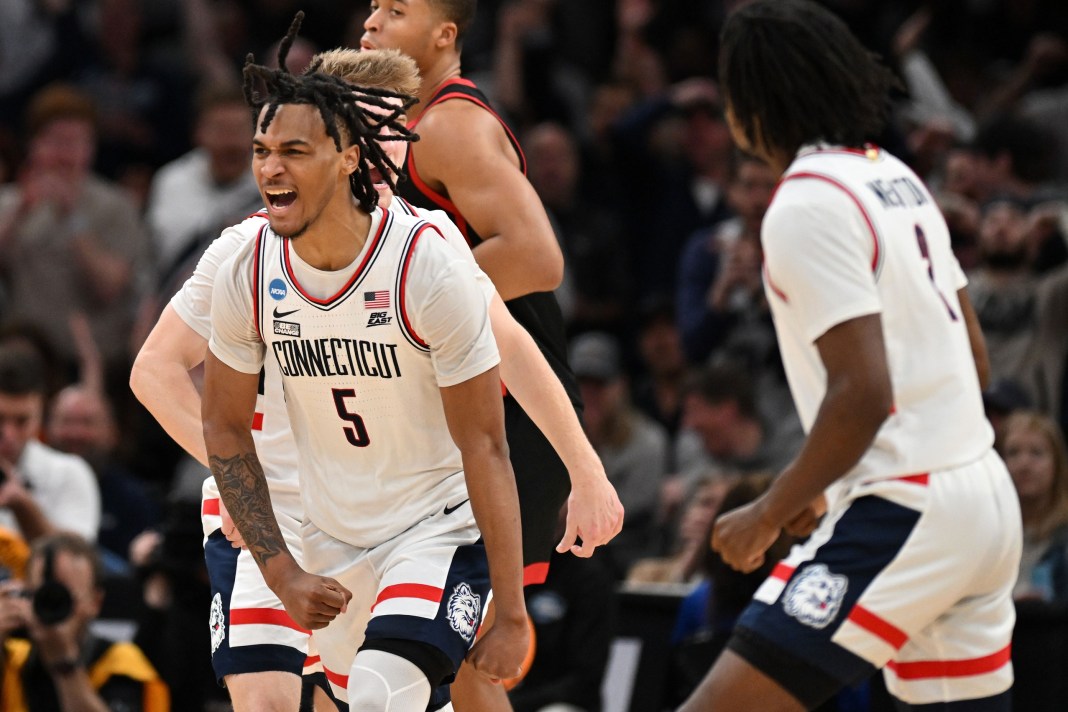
[339,104]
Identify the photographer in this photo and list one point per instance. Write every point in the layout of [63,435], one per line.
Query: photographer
[52,662]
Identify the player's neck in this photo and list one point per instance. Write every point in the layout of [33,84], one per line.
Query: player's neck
[335,239]
[445,68]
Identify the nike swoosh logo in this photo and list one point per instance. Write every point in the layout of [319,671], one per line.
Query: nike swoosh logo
[450,510]
[279,315]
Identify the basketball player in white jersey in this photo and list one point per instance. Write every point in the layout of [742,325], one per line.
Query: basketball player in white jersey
[912,567]
[258,642]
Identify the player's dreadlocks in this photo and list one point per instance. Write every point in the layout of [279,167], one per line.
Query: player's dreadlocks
[339,104]
[793,73]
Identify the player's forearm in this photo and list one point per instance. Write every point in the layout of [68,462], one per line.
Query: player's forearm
[538,390]
[167,391]
[243,489]
[519,263]
[495,504]
[846,424]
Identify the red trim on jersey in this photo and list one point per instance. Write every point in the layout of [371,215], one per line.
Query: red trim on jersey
[878,627]
[210,506]
[413,173]
[921,479]
[264,616]
[774,287]
[257,421]
[782,571]
[355,275]
[256,281]
[311,660]
[404,281]
[261,213]
[409,590]
[535,573]
[337,678]
[926,669]
[856,201]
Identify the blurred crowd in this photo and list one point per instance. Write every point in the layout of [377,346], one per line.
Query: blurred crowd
[124,149]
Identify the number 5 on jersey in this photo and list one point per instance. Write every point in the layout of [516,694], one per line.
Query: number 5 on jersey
[357,434]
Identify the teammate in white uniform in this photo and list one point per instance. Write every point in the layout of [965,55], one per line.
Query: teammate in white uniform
[912,567]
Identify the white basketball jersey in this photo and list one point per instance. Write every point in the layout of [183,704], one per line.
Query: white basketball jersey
[271,433]
[362,368]
[852,233]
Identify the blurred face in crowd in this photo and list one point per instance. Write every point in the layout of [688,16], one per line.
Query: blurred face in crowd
[411,26]
[698,514]
[661,347]
[225,132]
[65,147]
[80,424]
[1029,457]
[553,164]
[1003,235]
[707,138]
[602,398]
[713,422]
[20,422]
[750,192]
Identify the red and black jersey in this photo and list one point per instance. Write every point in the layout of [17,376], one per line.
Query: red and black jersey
[539,313]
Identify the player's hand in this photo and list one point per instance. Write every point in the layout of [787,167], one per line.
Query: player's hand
[807,519]
[742,536]
[312,601]
[498,654]
[594,514]
[229,529]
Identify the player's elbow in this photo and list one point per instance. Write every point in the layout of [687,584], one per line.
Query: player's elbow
[141,378]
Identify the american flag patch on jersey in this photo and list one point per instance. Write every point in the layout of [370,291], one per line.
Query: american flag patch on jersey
[376,300]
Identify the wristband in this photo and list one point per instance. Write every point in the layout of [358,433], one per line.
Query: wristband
[63,668]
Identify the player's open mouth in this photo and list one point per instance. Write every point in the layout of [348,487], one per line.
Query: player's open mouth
[377,180]
[280,198]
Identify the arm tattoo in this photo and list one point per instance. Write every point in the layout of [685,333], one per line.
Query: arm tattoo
[243,489]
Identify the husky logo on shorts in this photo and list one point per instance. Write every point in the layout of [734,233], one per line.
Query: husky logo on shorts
[464,608]
[815,596]
[217,623]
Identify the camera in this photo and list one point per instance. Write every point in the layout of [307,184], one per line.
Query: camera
[52,602]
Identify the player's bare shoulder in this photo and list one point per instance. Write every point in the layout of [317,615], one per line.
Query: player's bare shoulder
[458,132]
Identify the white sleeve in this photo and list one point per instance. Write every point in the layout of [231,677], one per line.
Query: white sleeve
[235,339]
[455,239]
[818,254]
[193,301]
[448,311]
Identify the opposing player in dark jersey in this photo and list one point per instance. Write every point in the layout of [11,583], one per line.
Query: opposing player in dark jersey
[469,164]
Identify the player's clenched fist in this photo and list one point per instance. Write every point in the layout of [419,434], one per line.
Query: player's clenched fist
[499,653]
[313,601]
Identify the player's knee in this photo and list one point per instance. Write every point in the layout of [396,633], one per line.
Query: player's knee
[264,691]
[385,682]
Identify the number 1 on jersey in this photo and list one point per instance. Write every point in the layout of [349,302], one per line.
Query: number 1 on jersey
[921,239]
[357,434]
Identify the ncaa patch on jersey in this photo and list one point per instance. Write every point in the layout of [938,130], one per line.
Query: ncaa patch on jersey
[464,611]
[217,623]
[815,596]
[277,289]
